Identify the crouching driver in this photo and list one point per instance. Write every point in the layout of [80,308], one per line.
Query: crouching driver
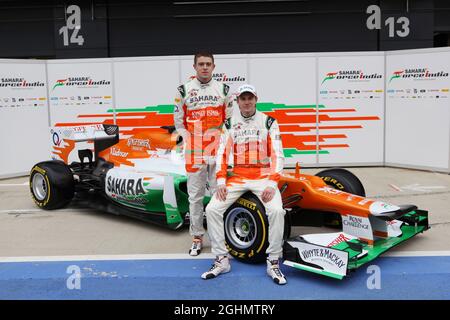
[253,139]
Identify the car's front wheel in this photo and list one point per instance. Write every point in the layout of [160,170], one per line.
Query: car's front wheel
[343,180]
[246,229]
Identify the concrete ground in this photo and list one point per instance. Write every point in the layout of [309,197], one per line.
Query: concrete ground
[26,230]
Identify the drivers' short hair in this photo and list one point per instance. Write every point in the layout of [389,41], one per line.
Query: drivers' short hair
[203,54]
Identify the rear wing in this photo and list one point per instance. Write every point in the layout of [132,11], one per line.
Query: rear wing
[64,139]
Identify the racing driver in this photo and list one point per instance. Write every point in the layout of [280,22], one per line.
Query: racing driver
[201,106]
[253,139]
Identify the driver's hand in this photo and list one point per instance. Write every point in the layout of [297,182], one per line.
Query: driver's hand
[268,194]
[221,192]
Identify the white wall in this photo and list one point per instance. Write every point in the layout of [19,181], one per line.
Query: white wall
[287,84]
[418,109]
[351,120]
[24,116]
[337,121]
[141,86]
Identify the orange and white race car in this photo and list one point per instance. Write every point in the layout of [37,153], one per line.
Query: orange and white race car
[143,176]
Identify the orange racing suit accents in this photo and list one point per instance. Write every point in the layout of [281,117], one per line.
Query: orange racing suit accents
[200,110]
[256,148]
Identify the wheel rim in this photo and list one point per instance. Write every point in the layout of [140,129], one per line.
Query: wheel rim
[241,228]
[39,186]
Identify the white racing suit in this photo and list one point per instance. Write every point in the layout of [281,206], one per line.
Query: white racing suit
[200,110]
[257,153]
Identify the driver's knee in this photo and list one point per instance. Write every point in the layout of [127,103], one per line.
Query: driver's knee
[213,208]
[275,211]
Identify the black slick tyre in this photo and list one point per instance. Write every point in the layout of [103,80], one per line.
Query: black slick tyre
[51,184]
[343,180]
[246,229]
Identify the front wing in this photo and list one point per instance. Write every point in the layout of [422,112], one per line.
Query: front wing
[334,255]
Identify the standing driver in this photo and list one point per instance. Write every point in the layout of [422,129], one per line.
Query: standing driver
[201,107]
[253,139]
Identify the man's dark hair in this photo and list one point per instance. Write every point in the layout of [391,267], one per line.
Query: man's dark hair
[203,54]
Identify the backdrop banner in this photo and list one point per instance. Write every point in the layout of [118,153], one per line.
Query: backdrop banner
[351,109]
[418,109]
[80,93]
[23,116]
[334,109]
[286,87]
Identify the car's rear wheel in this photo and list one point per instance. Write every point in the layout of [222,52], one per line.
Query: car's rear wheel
[51,184]
[246,229]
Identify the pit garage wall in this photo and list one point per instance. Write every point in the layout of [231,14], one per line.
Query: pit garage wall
[328,113]
[418,109]
[24,119]
[350,109]
[286,86]
[317,131]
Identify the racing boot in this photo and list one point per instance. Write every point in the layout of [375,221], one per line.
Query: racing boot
[274,271]
[196,247]
[221,265]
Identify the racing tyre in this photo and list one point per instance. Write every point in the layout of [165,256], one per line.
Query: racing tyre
[51,184]
[343,180]
[246,229]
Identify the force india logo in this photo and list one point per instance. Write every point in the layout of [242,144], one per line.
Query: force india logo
[80,81]
[222,77]
[420,73]
[350,75]
[125,187]
[19,83]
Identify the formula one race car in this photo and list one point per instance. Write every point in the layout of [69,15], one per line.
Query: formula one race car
[143,176]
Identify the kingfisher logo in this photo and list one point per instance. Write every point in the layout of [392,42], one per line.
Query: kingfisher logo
[80,82]
[19,83]
[353,75]
[418,74]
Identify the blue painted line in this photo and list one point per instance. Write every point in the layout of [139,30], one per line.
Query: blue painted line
[407,278]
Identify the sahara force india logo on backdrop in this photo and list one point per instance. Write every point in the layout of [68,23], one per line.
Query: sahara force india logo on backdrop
[222,77]
[355,75]
[80,82]
[19,83]
[418,74]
